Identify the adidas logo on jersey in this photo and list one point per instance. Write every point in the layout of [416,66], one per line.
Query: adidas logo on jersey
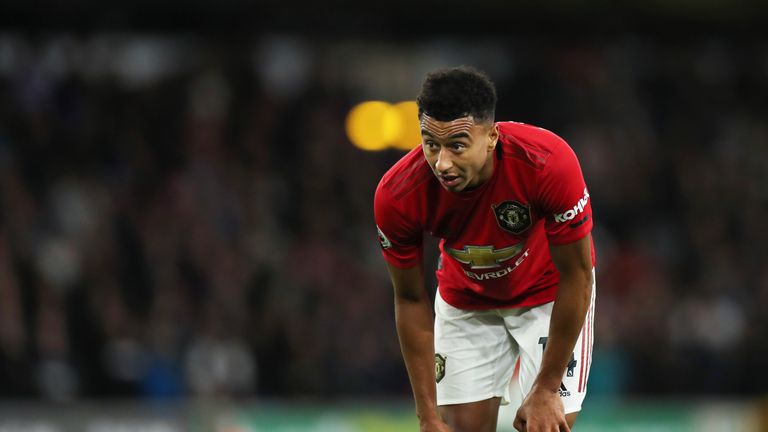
[578,208]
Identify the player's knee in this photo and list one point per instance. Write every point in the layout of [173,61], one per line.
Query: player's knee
[469,420]
[571,418]
[471,425]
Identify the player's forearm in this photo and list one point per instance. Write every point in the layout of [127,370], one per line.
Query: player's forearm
[568,314]
[415,329]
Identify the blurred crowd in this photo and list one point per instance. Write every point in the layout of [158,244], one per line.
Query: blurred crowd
[185,218]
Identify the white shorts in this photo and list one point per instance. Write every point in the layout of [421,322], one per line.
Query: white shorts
[476,353]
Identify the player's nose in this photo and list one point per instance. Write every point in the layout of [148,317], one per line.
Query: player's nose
[444,161]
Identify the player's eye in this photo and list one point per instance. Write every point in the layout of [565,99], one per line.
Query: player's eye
[431,144]
[458,146]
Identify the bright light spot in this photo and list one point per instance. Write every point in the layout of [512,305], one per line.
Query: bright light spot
[373,125]
[410,134]
[377,125]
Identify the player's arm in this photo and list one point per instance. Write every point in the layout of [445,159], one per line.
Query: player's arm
[415,329]
[574,262]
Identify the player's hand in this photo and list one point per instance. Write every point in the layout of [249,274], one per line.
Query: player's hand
[541,411]
[436,425]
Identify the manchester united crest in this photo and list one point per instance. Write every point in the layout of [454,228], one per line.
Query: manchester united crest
[512,216]
[439,367]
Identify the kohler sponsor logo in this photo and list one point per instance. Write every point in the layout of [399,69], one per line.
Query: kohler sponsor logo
[578,208]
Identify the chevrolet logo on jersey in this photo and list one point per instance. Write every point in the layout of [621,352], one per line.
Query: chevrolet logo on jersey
[484,257]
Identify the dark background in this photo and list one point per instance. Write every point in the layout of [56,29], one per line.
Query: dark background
[181,212]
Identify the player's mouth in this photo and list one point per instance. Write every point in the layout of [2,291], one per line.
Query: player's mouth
[450,180]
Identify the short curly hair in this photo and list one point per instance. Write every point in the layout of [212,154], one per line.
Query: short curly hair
[451,93]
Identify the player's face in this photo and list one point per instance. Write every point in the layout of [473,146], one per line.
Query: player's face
[460,151]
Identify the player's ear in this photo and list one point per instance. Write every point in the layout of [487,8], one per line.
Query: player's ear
[493,136]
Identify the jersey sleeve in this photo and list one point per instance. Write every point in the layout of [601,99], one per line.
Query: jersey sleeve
[399,237]
[564,199]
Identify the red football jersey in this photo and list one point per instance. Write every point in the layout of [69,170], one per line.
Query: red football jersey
[494,248]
